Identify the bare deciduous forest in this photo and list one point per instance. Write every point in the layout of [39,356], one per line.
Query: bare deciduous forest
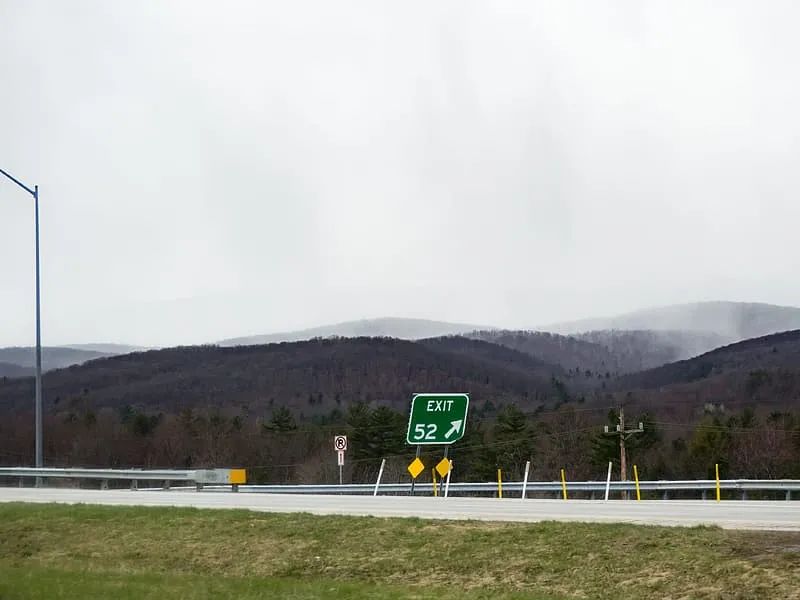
[275,408]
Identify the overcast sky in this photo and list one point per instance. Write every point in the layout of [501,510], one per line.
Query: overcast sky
[213,169]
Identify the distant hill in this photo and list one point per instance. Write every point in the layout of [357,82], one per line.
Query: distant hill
[609,351]
[646,349]
[53,357]
[565,351]
[107,349]
[777,354]
[14,370]
[404,329]
[311,377]
[733,321]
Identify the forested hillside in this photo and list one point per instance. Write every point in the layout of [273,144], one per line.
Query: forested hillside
[772,353]
[312,378]
[274,408]
[637,350]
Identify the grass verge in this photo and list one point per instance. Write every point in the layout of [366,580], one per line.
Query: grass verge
[62,551]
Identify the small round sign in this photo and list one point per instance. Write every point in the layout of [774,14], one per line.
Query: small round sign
[340,442]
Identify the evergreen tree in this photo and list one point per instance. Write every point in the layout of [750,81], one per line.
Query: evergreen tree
[358,418]
[386,433]
[514,441]
[282,420]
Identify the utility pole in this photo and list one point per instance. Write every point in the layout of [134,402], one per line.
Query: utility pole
[623,434]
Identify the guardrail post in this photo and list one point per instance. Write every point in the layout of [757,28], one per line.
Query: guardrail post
[104,484]
[166,484]
[704,495]
[380,474]
[666,495]
[198,487]
[134,485]
[788,495]
[525,481]
[744,494]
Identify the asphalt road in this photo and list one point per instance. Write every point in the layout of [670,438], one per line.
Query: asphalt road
[734,514]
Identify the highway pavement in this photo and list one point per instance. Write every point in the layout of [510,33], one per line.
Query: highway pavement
[733,514]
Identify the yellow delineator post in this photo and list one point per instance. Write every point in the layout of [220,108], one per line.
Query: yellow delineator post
[433,472]
[636,478]
[716,468]
[499,483]
[564,484]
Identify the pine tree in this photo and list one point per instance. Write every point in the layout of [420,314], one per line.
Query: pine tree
[514,441]
[282,420]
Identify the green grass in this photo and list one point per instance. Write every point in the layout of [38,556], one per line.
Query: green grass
[61,551]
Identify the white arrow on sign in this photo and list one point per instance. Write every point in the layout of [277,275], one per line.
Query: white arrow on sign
[456,427]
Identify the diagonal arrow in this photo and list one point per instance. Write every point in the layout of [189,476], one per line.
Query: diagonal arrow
[456,427]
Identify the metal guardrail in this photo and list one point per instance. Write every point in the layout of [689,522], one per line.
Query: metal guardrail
[237,477]
[701,486]
[200,477]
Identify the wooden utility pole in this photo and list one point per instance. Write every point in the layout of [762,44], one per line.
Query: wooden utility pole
[623,434]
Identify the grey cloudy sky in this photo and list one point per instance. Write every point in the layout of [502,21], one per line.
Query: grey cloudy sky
[218,169]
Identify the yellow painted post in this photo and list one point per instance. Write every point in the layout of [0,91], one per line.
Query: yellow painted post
[499,484]
[636,478]
[433,472]
[563,484]
[716,468]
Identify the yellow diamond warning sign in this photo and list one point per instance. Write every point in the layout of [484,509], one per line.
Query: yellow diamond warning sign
[443,468]
[415,468]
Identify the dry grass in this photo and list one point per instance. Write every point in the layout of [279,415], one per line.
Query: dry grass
[394,558]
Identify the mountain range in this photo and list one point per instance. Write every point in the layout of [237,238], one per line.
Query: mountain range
[402,329]
[619,345]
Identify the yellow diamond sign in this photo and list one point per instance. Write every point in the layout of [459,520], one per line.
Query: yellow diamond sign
[443,468]
[415,468]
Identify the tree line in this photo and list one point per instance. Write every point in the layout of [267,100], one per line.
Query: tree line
[281,448]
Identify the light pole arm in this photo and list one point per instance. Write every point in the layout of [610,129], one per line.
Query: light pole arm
[19,183]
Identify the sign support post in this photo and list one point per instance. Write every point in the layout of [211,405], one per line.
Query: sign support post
[436,420]
[414,479]
[340,445]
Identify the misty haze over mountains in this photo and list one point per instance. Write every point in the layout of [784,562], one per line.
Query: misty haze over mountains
[626,343]
[403,329]
[643,339]
[731,320]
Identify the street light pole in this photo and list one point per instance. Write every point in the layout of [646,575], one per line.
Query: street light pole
[35,193]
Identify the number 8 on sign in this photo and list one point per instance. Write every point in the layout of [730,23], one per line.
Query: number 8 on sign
[340,443]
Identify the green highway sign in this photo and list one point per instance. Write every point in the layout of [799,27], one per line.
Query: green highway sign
[437,418]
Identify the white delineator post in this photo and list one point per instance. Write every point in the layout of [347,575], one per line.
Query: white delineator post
[447,482]
[380,474]
[525,480]
[608,480]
